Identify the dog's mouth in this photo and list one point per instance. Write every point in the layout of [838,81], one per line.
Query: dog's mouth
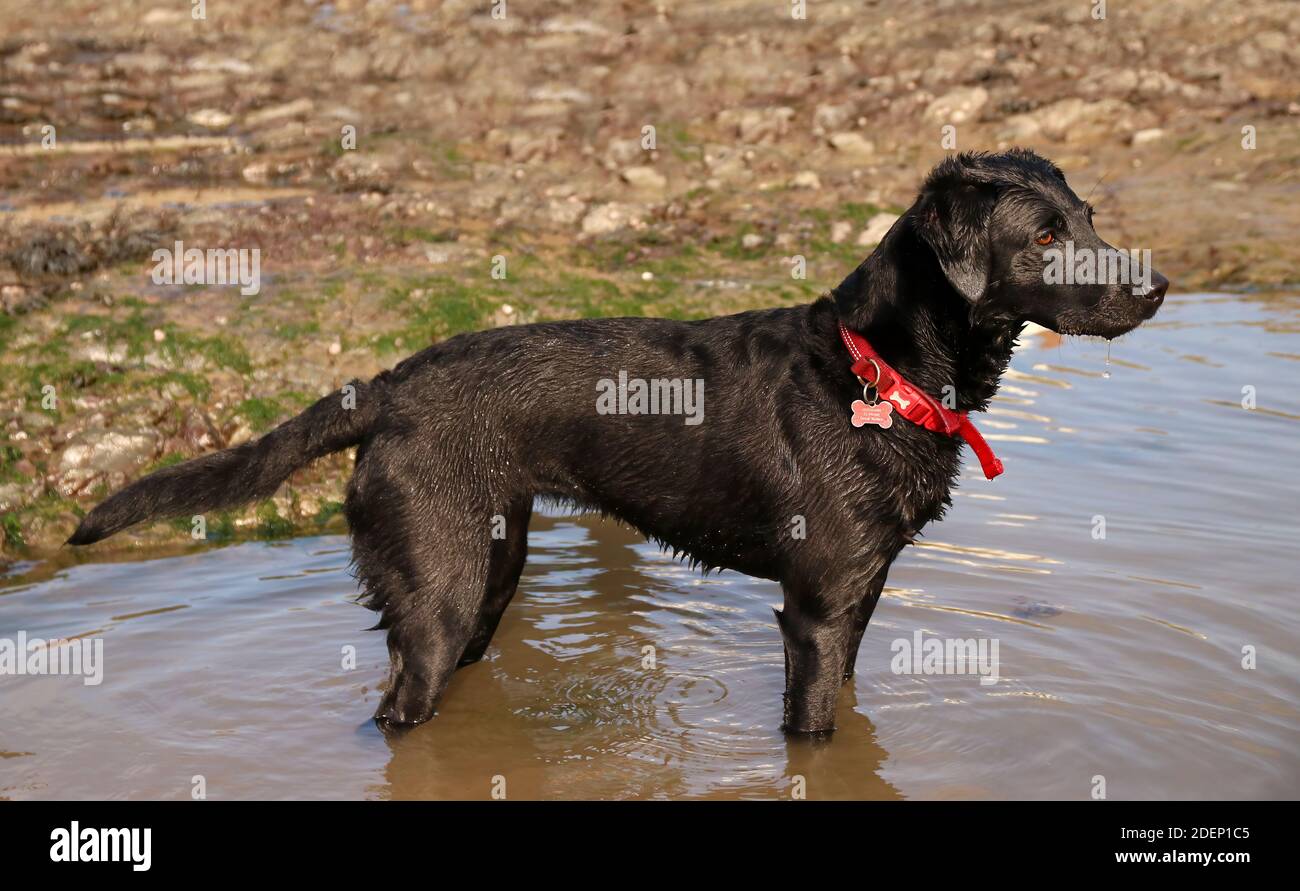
[1117,314]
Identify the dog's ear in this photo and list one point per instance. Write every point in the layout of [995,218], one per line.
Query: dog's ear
[952,216]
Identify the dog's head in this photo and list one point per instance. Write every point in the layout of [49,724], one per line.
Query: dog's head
[1013,240]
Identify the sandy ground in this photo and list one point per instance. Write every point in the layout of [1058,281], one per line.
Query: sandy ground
[411,170]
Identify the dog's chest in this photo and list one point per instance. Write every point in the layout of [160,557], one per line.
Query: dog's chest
[906,474]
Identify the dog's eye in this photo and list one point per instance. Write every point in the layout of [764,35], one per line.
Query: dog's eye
[1045,237]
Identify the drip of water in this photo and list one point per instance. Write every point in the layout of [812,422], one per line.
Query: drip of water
[1106,372]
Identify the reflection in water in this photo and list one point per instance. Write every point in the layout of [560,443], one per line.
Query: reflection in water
[620,673]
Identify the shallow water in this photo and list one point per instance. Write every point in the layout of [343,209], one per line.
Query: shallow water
[1119,657]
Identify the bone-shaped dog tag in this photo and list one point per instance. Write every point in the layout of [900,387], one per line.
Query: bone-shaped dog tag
[878,414]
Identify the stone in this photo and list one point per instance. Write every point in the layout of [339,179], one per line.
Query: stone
[1068,118]
[621,152]
[611,217]
[829,118]
[877,227]
[557,93]
[278,113]
[351,64]
[211,118]
[806,179]
[958,106]
[757,125]
[12,496]
[565,211]
[96,453]
[258,172]
[645,179]
[852,145]
[360,172]
[108,450]
[198,432]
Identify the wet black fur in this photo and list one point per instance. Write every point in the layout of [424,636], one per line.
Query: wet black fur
[480,425]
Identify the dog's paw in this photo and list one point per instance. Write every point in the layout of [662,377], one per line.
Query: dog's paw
[404,706]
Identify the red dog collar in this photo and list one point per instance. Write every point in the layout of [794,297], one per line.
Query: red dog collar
[911,402]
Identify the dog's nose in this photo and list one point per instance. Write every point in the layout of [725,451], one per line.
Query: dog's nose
[1159,284]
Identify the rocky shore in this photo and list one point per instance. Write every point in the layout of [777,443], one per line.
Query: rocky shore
[407,171]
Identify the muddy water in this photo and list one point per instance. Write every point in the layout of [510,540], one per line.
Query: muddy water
[1119,657]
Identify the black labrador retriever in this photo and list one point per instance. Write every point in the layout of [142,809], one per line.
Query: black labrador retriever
[797,471]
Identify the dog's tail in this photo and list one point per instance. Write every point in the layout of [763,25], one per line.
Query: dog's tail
[248,472]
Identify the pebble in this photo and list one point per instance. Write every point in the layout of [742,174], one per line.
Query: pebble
[645,178]
[211,118]
[852,144]
[877,227]
[1151,134]
[607,218]
[297,108]
[806,179]
[958,106]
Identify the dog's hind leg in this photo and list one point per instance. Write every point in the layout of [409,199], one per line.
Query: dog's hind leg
[423,558]
[430,625]
[507,563]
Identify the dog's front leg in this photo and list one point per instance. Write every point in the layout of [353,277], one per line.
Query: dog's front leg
[816,632]
[861,618]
